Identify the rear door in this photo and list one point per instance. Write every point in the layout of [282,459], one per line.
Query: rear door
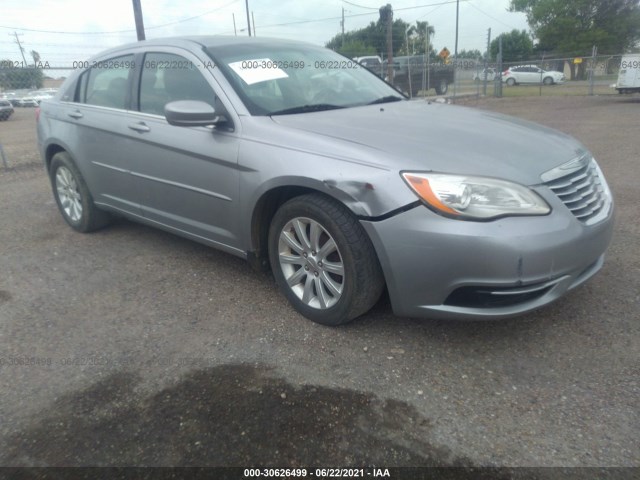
[97,140]
[530,75]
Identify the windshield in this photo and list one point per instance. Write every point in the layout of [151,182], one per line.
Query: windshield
[280,80]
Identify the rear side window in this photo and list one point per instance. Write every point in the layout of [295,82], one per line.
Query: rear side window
[166,78]
[106,83]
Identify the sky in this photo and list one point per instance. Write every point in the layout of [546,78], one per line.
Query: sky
[68,31]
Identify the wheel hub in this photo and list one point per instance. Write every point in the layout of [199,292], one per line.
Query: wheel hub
[311,263]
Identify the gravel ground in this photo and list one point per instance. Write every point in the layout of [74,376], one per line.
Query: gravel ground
[131,346]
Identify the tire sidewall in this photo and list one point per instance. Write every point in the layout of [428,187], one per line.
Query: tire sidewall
[336,314]
[62,159]
[443,87]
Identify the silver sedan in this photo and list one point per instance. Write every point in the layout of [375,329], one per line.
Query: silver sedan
[304,162]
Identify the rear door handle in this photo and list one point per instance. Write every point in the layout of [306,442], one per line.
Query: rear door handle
[76,114]
[139,127]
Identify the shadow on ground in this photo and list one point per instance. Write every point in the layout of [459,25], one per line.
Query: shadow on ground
[225,416]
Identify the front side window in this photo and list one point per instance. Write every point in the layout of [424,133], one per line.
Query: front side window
[167,78]
[106,83]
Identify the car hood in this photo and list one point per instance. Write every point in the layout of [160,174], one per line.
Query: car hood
[415,135]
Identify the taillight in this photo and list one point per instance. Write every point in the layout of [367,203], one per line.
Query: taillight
[37,114]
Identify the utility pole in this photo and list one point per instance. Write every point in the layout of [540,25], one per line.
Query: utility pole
[455,50]
[386,16]
[20,47]
[253,20]
[342,25]
[486,58]
[499,84]
[594,53]
[235,32]
[390,40]
[406,39]
[427,60]
[246,3]
[137,15]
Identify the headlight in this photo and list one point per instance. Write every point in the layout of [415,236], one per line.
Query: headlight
[475,198]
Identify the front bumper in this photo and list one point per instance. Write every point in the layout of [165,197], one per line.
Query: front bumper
[442,268]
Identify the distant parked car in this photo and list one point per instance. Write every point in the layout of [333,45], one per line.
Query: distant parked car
[373,63]
[27,102]
[6,109]
[629,74]
[490,73]
[531,74]
[14,96]
[39,95]
[410,75]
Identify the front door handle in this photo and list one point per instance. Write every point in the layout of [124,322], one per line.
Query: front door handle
[76,114]
[139,127]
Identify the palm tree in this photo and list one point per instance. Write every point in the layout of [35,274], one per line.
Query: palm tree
[416,37]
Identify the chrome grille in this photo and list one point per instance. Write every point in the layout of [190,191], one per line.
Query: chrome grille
[582,191]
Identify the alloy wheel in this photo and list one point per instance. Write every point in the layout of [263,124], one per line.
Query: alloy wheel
[311,263]
[68,193]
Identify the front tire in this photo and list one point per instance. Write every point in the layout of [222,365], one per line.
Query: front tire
[323,261]
[547,81]
[73,197]
[511,82]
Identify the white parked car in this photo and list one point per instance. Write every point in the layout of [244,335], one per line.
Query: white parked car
[44,94]
[27,102]
[531,74]
[629,74]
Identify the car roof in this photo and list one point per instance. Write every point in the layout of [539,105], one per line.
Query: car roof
[207,41]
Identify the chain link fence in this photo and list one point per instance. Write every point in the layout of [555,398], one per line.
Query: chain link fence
[537,76]
[26,86]
[414,75]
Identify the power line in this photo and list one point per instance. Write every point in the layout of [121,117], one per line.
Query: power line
[116,32]
[359,6]
[491,17]
[326,19]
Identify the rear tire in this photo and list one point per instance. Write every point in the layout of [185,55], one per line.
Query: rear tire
[442,88]
[323,260]
[73,197]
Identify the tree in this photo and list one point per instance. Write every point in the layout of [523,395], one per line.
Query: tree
[373,40]
[36,57]
[572,28]
[356,48]
[517,46]
[417,35]
[470,54]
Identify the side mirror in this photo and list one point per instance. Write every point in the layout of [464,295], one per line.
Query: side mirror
[192,113]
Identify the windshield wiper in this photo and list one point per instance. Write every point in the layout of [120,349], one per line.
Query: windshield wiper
[387,99]
[317,107]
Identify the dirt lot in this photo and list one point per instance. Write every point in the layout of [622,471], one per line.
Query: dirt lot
[132,346]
